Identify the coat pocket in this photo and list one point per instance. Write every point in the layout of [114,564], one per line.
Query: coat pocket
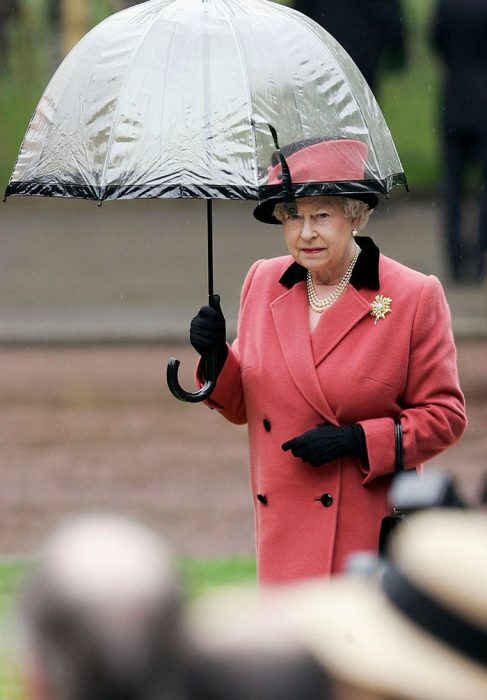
[381,386]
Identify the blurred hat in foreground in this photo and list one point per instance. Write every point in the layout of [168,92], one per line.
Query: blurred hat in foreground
[417,631]
[420,629]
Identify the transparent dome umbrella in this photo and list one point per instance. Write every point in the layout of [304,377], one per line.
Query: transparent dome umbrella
[186,98]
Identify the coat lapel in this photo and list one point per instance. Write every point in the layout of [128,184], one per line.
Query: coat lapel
[289,312]
[302,352]
[336,322]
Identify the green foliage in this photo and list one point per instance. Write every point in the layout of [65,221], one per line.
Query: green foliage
[22,80]
[410,101]
[34,53]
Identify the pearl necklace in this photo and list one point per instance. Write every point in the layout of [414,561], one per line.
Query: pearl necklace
[319,305]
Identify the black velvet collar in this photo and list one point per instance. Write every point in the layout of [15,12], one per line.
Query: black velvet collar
[365,273]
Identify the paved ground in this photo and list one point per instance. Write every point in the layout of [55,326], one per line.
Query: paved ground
[71,270]
[94,426]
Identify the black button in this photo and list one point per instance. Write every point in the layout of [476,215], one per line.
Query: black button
[267,425]
[262,498]
[326,499]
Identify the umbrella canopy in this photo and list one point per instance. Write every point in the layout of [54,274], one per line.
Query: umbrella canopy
[174,98]
[188,98]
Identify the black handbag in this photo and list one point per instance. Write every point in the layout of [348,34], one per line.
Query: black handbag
[392,521]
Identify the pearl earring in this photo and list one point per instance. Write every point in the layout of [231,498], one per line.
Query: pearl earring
[354,232]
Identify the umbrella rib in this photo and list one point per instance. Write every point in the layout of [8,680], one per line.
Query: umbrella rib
[342,72]
[335,62]
[247,89]
[357,102]
[285,13]
[115,120]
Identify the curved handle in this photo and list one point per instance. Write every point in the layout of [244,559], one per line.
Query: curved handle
[200,395]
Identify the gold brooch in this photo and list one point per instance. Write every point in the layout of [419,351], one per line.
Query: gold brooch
[381,306]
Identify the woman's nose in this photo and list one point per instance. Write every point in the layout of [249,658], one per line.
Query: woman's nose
[308,231]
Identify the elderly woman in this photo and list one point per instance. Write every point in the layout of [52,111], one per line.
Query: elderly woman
[335,343]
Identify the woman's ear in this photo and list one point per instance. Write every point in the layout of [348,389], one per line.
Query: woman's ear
[356,222]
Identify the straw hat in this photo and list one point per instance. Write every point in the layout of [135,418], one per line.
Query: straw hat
[359,631]
[361,635]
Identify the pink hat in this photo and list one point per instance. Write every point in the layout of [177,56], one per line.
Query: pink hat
[334,160]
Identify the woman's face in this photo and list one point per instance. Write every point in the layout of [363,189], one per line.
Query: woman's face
[319,237]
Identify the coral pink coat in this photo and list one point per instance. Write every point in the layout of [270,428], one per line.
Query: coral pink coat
[282,381]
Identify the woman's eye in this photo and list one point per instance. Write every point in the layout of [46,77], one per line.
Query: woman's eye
[321,216]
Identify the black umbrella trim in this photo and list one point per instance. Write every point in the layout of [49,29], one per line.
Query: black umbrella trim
[309,189]
[149,191]
[111,192]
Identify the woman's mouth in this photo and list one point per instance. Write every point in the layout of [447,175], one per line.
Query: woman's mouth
[311,251]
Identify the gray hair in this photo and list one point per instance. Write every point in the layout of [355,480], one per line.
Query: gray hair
[102,613]
[351,208]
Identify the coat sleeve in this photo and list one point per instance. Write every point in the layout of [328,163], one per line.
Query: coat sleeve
[433,413]
[227,397]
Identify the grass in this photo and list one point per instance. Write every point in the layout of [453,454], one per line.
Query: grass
[203,575]
[198,575]
[409,99]
[11,576]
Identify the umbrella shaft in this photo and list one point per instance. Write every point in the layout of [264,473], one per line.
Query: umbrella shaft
[209,219]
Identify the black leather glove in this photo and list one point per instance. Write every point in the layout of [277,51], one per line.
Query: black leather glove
[328,442]
[207,332]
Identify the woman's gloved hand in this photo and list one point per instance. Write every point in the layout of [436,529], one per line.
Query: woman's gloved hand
[328,442]
[207,332]
[208,328]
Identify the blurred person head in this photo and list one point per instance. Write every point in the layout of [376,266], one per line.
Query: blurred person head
[103,620]
[101,615]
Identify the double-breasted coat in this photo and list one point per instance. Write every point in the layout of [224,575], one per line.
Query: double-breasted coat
[283,380]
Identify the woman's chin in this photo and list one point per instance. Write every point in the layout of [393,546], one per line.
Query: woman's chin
[315,262]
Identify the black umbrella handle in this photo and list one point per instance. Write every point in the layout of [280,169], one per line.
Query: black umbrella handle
[209,359]
[207,388]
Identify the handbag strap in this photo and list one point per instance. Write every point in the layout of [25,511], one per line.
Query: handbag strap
[399,463]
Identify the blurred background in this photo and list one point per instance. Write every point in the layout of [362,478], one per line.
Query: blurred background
[93,301]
